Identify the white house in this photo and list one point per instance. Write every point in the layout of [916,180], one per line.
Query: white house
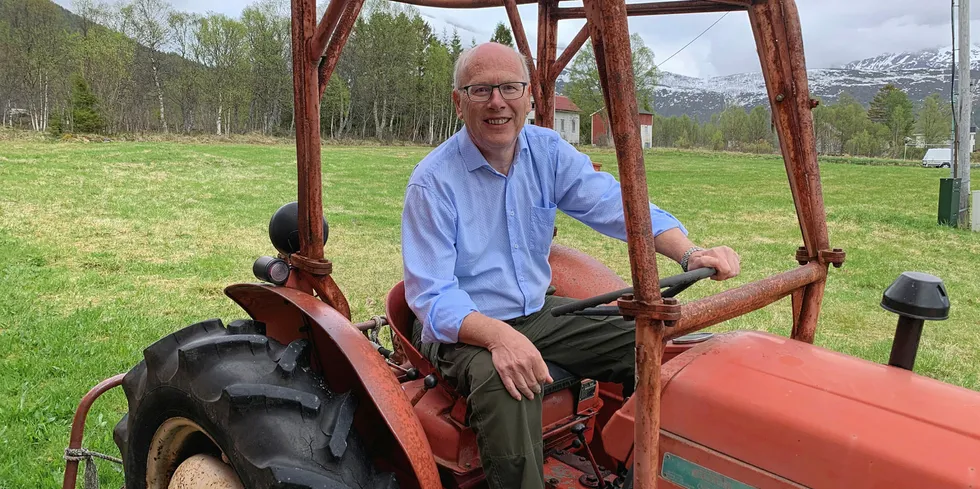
[566,118]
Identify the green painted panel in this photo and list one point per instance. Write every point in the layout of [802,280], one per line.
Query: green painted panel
[693,476]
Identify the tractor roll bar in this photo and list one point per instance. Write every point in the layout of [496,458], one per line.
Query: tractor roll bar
[651,8]
[611,45]
[779,43]
[731,303]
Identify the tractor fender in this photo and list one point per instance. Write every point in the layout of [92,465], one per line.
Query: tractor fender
[348,363]
[579,276]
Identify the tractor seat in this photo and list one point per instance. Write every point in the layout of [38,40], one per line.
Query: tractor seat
[561,378]
[401,319]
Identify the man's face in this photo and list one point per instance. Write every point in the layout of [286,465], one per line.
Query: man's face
[493,124]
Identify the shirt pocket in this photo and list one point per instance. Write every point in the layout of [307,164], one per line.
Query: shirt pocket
[542,227]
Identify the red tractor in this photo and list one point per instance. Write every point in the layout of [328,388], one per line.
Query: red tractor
[299,397]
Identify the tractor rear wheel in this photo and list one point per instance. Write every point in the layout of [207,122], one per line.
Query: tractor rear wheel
[234,394]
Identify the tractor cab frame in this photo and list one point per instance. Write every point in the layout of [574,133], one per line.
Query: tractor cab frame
[398,418]
[779,41]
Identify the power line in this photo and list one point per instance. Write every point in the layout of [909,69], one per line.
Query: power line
[692,40]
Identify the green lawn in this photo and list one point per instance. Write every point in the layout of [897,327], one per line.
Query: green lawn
[104,248]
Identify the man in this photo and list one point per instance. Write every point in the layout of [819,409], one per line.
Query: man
[476,232]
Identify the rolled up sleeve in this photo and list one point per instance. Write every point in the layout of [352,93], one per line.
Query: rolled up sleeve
[429,258]
[596,198]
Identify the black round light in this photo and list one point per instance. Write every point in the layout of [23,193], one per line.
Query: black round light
[284,229]
[272,270]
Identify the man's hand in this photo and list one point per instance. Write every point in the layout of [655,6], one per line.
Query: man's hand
[519,364]
[673,243]
[517,361]
[721,258]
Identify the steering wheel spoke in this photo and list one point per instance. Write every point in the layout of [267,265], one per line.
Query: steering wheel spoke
[592,306]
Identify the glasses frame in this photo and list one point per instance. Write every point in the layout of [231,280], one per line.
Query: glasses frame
[466,90]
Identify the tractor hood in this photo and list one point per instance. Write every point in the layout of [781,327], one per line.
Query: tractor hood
[820,418]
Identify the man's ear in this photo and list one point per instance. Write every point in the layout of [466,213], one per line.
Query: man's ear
[456,103]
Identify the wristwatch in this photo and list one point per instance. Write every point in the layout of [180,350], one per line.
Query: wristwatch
[687,256]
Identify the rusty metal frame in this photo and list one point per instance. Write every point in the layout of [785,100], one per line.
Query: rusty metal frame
[776,28]
[316,49]
[663,8]
[78,425]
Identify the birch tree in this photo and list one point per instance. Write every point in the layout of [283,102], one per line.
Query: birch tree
[145,21]
[219,46]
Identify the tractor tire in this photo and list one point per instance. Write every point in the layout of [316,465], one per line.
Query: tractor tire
[257,404]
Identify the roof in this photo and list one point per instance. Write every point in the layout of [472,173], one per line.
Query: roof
[644,111]
[565,104]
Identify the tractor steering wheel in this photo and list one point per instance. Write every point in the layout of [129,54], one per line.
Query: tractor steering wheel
[674,284]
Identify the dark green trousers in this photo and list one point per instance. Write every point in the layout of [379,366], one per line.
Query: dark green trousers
[508,431]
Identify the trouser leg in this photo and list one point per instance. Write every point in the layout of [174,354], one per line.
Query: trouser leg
[508,431]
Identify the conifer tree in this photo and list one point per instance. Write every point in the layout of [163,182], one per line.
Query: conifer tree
[85,114]
[502,35]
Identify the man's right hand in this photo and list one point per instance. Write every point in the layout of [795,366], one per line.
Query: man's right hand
[518,362]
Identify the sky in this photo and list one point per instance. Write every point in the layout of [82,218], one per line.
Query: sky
[835,32]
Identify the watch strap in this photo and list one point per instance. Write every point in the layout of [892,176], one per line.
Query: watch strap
[687,256]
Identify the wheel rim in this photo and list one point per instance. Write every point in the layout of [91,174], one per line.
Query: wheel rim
[183,455]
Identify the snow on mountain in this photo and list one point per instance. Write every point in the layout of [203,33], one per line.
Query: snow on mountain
[934,59]
[919,74]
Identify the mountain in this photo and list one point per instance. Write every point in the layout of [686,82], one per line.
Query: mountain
[919,74]
[935,59]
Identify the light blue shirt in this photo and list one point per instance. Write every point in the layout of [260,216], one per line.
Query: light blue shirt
[474,239]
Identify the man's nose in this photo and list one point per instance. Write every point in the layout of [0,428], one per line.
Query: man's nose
[496,99]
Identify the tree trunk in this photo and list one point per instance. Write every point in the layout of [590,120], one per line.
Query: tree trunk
[391,125]
[219,114]
[377,124]
[156,81]
[46,110]
[432,119]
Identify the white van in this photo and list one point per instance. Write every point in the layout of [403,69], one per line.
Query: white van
[938,158]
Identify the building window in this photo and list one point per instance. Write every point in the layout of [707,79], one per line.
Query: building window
[563,125]
[573,125]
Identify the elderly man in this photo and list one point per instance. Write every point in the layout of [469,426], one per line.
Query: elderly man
[476,232]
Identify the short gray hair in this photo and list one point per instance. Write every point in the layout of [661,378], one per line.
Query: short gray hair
[465,56]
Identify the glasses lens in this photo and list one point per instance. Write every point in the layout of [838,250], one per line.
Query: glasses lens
[511,90]
[480,92]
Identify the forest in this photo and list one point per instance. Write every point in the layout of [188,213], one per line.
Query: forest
[142,66]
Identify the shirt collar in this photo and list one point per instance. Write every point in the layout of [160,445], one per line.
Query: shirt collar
[473,158]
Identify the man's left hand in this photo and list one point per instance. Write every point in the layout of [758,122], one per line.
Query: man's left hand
[721,258]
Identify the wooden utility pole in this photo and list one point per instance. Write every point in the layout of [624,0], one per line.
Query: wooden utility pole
[961,167]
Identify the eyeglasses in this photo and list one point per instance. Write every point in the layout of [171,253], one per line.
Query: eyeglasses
[483,92]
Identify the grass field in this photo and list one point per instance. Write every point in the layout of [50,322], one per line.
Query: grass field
[104,248]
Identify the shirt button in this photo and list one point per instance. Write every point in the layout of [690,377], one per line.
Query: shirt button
[516,247]
[512,213]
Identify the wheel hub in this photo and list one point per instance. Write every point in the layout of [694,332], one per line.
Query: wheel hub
[183,455]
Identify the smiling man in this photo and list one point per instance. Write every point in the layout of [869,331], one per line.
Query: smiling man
[476,233]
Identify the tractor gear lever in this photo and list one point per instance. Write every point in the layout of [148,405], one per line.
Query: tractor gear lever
[579,431]
[428,382]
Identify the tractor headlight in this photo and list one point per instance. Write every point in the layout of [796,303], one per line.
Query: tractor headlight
[272,270]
